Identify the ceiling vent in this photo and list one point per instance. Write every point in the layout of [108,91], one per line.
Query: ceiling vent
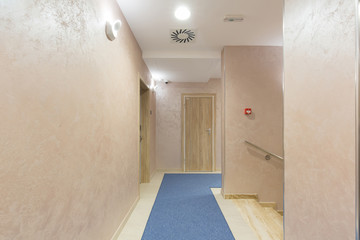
[233,18]
[182,36]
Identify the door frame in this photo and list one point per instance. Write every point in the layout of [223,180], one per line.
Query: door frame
[144,166]
[213,152]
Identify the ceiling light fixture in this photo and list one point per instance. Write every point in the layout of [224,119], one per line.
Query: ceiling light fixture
[112,29]
[182,13]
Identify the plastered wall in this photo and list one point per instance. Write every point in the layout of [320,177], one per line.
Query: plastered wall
[320,60]
[253,79]
[68,120]
[168,121]
[152,146]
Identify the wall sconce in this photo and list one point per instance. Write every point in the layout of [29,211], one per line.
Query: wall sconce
[153,85]
[112,29]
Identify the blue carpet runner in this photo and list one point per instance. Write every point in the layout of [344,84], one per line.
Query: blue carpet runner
[185,208]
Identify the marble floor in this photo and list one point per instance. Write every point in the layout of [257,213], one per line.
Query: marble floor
[134,228]
[266,222]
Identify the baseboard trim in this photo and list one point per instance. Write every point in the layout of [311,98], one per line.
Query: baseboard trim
[269,205]
[170,170]
[242,196]
[182,171]
[124,221]
[152,175]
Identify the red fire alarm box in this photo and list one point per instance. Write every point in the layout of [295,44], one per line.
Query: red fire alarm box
[248,111]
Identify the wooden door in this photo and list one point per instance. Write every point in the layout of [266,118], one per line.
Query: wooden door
[198,131]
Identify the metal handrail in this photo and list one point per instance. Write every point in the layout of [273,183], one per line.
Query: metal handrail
[269,153]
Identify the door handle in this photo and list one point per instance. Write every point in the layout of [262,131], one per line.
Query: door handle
[208,130]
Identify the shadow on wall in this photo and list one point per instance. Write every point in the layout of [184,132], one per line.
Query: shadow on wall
[252,116]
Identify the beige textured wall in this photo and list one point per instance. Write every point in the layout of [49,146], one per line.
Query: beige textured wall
[168,121]
[152,150]
[253,78]
[320,119]
[69,120]
[223,169]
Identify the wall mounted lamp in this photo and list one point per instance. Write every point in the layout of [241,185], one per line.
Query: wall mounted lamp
[112,29]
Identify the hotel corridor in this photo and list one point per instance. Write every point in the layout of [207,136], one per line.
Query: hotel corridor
[244,225]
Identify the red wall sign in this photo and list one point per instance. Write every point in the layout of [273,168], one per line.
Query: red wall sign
[248,111]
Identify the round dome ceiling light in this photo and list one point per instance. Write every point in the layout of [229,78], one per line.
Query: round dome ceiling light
[182,13]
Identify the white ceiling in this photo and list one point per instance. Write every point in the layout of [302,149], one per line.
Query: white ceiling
[152,20]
